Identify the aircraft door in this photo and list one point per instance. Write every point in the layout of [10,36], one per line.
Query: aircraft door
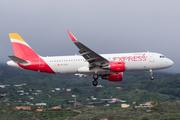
[151,57]
[41,62]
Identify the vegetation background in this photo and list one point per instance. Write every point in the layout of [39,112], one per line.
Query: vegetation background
[135,87]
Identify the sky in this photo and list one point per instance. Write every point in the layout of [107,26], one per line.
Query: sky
[116,26]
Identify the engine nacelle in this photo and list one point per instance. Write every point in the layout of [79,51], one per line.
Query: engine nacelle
[115,77]
[116,66]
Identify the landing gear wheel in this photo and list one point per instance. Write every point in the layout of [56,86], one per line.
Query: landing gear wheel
[152,78]
[151,74]
[95,83]
[95,77]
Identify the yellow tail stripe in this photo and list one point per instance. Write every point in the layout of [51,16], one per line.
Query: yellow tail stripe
[15,36]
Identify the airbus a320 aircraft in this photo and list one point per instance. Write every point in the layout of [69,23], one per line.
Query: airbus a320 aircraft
[88,62]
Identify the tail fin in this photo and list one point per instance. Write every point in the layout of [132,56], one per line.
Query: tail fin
[21,49]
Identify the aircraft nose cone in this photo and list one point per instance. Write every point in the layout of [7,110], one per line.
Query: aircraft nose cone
[170,62]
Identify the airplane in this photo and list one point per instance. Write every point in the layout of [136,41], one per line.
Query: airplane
[107,66]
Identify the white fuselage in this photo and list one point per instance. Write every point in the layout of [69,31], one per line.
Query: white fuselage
[133,62]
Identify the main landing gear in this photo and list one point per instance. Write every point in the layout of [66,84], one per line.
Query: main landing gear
[95,82]
[151,74]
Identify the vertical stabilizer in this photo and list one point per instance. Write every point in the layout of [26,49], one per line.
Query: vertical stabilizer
[21,48]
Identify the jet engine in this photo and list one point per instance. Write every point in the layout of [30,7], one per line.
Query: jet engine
[116,66]
[115,77]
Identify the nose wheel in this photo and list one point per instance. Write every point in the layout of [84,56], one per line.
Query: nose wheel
[151,74]
[152,78]
[95,82]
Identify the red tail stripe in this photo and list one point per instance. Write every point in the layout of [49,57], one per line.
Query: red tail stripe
[35,66]
[22,51]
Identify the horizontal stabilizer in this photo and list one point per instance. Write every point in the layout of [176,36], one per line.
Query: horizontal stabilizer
[16,59]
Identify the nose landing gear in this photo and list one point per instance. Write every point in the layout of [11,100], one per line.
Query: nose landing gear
[95,82]
[152,78]
[151,74]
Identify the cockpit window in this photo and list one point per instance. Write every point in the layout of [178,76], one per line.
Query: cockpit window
[161,56]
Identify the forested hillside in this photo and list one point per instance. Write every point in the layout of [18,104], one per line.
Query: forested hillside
[136,86]
[20,87]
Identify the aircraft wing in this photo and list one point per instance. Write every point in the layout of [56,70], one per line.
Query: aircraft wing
[92,57]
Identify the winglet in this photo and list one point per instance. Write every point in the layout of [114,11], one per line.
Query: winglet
[72,36]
